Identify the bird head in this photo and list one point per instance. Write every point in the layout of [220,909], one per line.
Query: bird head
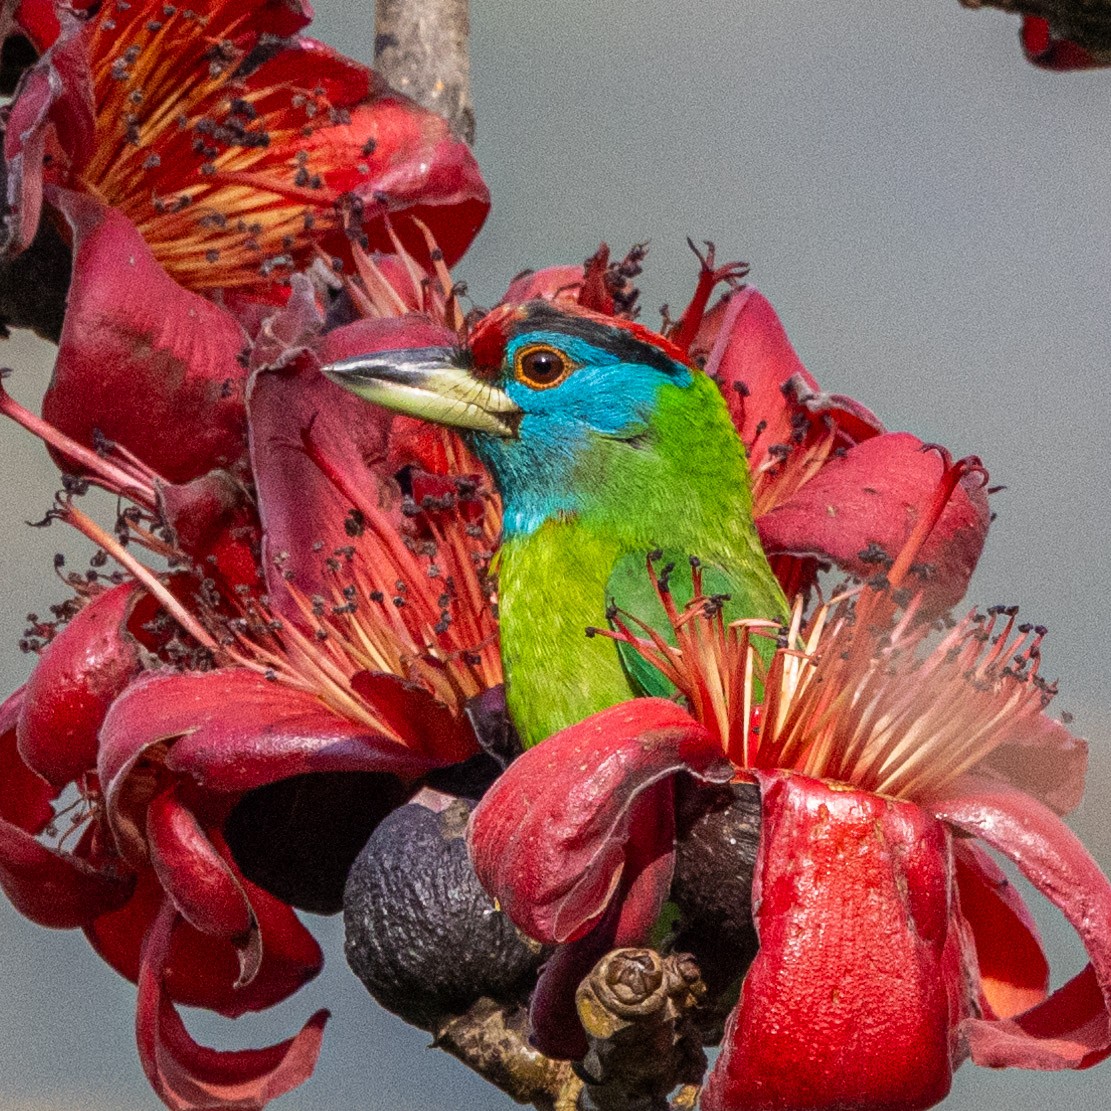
[559,403]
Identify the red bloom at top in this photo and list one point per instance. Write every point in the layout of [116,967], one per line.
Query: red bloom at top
[830,484]
[232,143]
[201,154]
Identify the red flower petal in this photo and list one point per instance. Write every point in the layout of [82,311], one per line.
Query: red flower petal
[25,798]
[214,520]
[857,985]
[390,157]
[318,451]
[553,837]
[38,20]
[748,352]
[1044,49]
[140,355]
[1043,759]
[81,672]
[55,888]
[204,889]
[232,730]
[1072,1028]
[863,506]
[190,1077]
[643,887]
[53,106]
[1014,974]
[424,724]
[204,970]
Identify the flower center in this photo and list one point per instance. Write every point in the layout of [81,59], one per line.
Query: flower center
[222,174]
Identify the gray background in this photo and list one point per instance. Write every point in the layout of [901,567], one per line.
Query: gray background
[928,213]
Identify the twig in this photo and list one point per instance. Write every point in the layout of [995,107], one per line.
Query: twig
[421,49]
[492,1039]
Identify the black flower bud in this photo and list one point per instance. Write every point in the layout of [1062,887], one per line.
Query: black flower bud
[421,933]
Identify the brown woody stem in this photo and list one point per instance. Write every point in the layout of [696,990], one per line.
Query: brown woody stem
[421,49]
[492,1039]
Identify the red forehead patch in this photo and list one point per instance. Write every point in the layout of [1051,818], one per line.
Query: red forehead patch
[488,338]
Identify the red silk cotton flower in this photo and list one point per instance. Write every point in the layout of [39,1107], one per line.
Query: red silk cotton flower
[193,158]
[830,484]
[891,946]
[196,718]
[234,144]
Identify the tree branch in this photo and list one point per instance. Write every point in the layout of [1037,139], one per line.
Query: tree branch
[492,1039]
[421,49]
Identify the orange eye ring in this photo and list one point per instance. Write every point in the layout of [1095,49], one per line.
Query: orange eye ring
[540,366]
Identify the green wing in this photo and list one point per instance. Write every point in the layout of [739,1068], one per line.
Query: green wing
[631,590]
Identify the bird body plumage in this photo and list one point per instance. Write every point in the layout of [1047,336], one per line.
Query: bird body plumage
[588,494]
[604,446]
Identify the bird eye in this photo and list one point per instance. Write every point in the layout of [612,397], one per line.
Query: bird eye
[541,367]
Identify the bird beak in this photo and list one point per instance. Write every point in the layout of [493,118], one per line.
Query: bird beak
[431,383]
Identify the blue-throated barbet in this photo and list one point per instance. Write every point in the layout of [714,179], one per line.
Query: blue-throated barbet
[604,445]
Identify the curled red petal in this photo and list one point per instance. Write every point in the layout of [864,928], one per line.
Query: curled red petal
[139,354]
[204,889]
[25,797]
[553,837]
[190,1077]
[56,888]
[861,508]
[232,730]
[644,884]
[1014,974]
[206,970]
[851,902]
[53,108]
[80,673]
[1072,1028]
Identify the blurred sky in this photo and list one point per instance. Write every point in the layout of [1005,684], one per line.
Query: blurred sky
[928,213]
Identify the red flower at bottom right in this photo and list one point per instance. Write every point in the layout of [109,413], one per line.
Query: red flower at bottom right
[888,753]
